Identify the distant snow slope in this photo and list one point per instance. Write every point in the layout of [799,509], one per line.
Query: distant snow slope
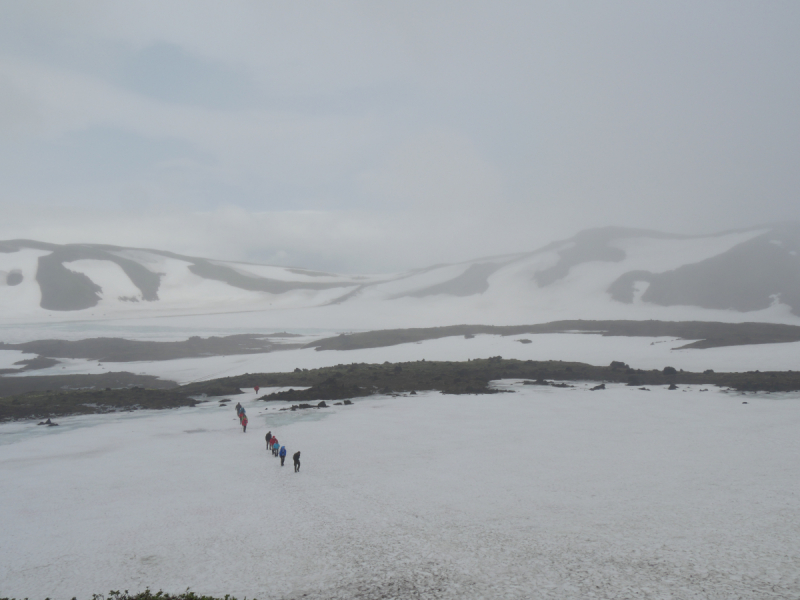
[609,273]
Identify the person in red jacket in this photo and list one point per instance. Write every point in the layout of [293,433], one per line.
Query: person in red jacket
[244,424]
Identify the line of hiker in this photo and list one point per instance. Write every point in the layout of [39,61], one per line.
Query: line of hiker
[242,416]
[280,451]
[272,441]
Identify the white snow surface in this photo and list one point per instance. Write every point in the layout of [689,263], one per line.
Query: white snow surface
[9,357]
[638,352]
[512,297]
[545,493]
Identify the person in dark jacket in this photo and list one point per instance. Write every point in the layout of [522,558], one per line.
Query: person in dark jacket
[267,438]
[282,454]
[296,459]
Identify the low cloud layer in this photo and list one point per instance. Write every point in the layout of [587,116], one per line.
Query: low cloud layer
[355,136]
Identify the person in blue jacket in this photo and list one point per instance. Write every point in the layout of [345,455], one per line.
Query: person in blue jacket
[282,454]
[275,447]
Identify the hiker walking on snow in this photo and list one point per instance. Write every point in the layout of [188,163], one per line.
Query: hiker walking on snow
[282,454]
[296,459]
[244,424]
[267,438]
[275,447]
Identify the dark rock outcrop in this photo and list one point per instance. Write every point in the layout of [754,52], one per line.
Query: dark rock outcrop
[750,276]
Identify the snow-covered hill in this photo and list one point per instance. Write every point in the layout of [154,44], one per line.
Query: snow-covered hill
[609,273]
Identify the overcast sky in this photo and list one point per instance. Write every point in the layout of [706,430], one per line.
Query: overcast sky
[373,136]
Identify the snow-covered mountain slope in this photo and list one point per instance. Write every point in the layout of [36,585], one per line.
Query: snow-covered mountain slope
[609,273]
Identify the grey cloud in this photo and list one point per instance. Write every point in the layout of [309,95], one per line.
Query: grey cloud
[166,72]
[480,129]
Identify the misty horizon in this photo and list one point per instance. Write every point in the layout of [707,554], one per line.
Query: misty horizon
[362,138]
[625,231]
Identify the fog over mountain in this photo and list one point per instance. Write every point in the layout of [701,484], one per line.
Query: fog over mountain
[620,273]
[360,137]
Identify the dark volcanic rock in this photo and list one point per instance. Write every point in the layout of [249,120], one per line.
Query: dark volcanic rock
[708,334]
[64,289]
[211,270]
[592,245]
[475,280]
[539,381]
[42,405]
[745,278]
[14,278]
[10,386]
[330,389]
[602,386]
[47,396]
[122,350]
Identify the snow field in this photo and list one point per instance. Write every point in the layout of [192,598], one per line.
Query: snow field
[546,493]
[513,296]
[639,352]
[9,357]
